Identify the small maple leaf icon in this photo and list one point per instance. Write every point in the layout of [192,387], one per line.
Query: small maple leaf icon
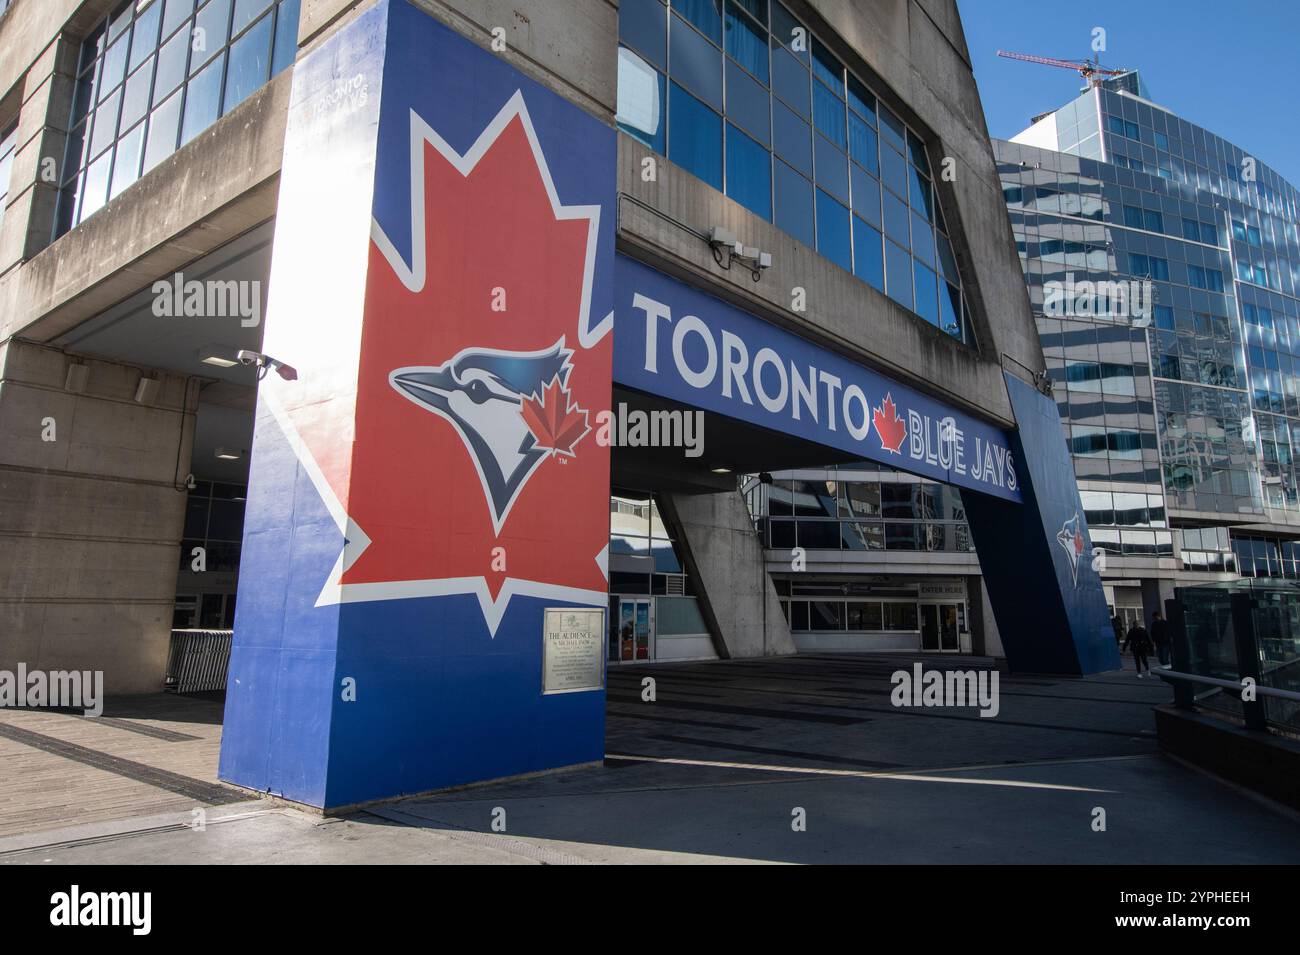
[889,425]
[556,422]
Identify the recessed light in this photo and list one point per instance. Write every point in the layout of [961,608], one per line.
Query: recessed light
[227,455]
[219,361]
[722,470]
[220,356]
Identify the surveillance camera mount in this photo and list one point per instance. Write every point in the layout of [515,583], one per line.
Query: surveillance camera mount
[727,249]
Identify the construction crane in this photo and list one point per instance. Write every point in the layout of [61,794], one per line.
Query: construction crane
[1090,70]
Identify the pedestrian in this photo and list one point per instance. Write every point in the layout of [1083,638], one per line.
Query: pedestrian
[1160,637]
[1140,643]
[1117,625]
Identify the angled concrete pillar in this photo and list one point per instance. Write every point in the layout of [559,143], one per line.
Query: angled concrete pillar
[724,554]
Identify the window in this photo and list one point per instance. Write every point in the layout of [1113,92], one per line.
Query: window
[787,131]
[8,144]
[156,73]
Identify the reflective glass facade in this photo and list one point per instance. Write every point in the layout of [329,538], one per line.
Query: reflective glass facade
[1187,408]
[854,510]
[156,73]
[745,97]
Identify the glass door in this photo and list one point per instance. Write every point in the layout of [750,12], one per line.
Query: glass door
[948,639]
[929,627]
[634,637]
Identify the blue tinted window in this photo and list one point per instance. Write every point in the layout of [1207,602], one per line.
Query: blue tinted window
[891,127]
[927,291]
[245,12]
[1152,221]
[250,63]
[827,68]
[794,203]
[748,103]
[866,196]
[790,80]
[697,63]
[1191,230]
[893,170]
[643,26]
[922,239]
[705,14]
[202,100]
[230,45]
[920,193]
[749,176]
[695,136]
[832,169]
[896,217]
[211,24]
[792,138]
[1209,234]
[828,115]
[747,42]
[862,144]
[898,274]
[868,257]
[640,100]
[833,240]
[861,101]
[1133,217]
[785,28]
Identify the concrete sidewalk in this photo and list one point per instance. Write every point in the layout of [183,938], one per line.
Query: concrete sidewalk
[718,768]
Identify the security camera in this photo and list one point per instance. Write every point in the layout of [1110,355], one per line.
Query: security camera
[265,362]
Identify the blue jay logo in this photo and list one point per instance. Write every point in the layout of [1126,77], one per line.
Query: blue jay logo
[482,392]
[1070,537]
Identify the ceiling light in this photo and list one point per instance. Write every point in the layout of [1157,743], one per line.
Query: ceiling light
[722,470]
[218,355]
[228,455]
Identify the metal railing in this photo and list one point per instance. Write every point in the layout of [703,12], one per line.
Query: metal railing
[198,660]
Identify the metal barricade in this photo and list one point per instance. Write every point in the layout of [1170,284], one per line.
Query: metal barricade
[198,660]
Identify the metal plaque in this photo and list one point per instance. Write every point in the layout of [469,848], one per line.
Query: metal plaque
[573,650]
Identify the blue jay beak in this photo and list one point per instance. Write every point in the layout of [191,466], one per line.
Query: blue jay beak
[427,387]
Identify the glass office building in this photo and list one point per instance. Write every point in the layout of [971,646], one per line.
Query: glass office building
[1181,406]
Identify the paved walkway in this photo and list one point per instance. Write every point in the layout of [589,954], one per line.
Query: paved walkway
[714,771]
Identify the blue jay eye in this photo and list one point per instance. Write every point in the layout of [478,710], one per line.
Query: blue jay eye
[478,392]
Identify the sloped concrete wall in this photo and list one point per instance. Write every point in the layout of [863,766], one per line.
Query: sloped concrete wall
[723,554]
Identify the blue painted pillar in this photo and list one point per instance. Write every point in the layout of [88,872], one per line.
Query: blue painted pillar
[1036,555]
[430,482]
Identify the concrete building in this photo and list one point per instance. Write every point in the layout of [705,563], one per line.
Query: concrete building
[792,209]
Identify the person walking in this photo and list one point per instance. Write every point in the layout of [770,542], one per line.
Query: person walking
[1160,637]
[1140,643]
[1117,625]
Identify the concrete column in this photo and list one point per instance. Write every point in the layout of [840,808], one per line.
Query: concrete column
[1155,591]
[43,116]
[724,555]
[90,514]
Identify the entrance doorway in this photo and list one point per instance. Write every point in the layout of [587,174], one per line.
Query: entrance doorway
[631,630]
[940,627]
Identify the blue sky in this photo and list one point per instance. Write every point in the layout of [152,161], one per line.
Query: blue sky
[1228,65]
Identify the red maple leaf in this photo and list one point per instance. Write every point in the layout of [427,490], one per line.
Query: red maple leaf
[889,425]
[555,420]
